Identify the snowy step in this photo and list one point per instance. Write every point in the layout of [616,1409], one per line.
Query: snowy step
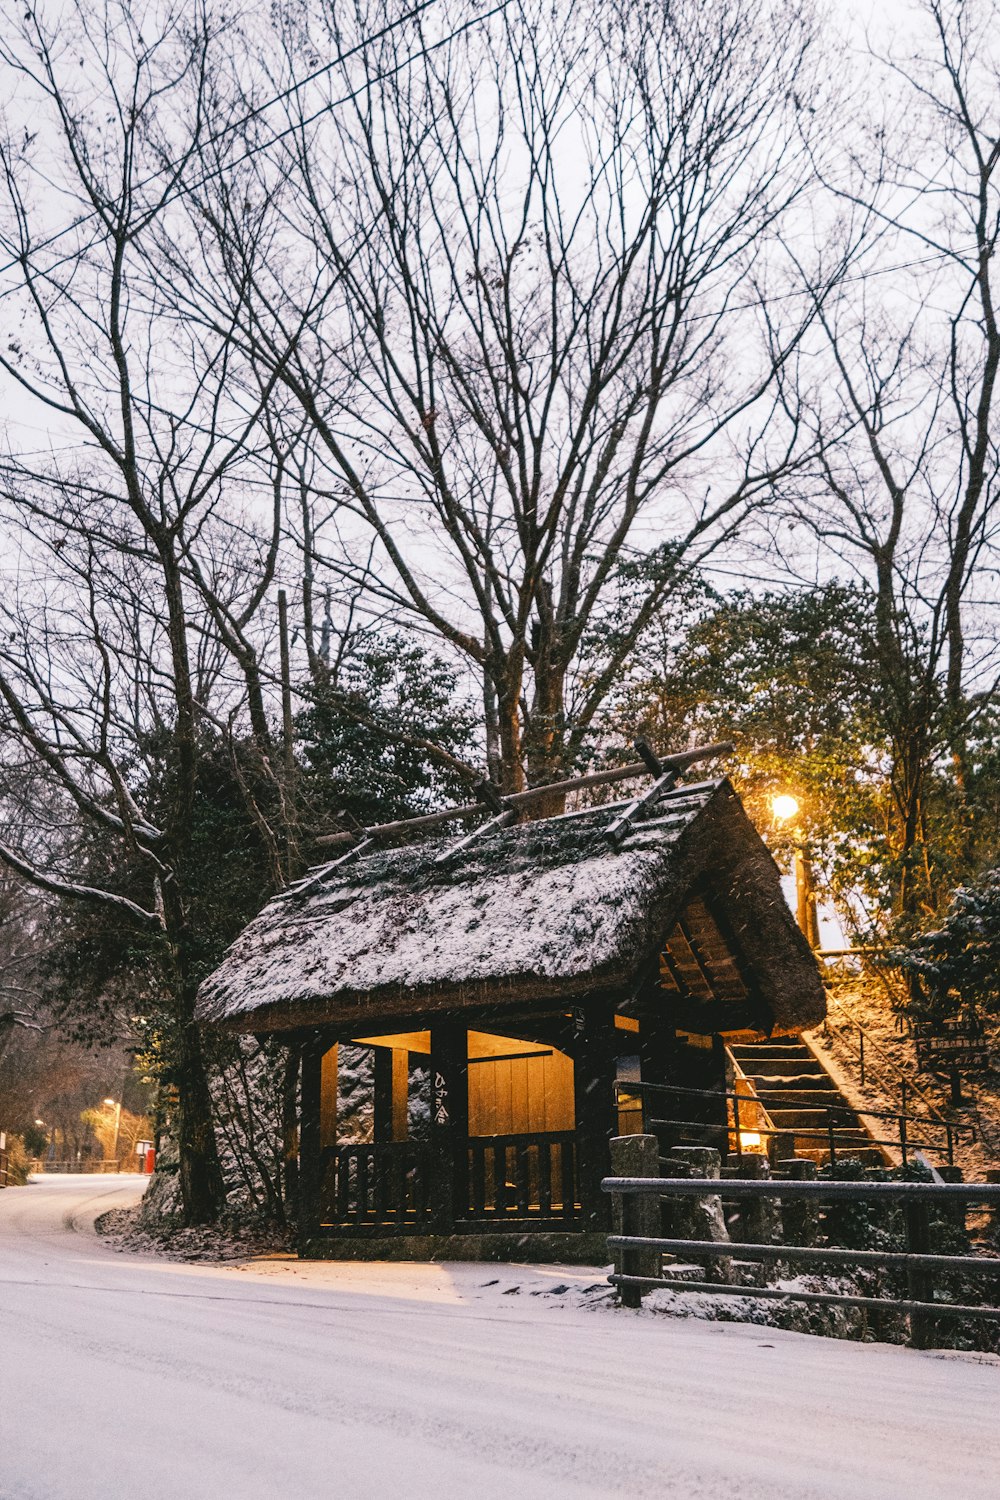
[786,1074]
[803,1099]
[749,1055]
[786,1119]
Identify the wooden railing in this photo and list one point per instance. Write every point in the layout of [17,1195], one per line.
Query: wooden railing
[867,1047]
[74,1167]
[746,1111]
[386,1184]
[522,1177]
[637,1253]
[495,1179]
[899,1128]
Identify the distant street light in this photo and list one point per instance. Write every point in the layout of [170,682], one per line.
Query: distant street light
[785,807]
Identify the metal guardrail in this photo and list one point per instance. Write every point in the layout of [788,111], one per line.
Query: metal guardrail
[866,1045]
[916,1198]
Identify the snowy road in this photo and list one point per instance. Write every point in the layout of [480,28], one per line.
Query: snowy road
[127,1377]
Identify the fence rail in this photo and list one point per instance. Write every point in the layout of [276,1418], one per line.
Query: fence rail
[863,1049]
[385,1184]
[39,1164]
[633,1249]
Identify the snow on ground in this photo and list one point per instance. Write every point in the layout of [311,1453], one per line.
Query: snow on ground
[868,1002]
[126,1376]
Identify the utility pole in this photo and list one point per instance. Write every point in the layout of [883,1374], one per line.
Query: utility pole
[805,897]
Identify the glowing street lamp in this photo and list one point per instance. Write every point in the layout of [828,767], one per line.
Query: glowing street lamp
[785,808]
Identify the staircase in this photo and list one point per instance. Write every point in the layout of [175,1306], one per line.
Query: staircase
[798,1095]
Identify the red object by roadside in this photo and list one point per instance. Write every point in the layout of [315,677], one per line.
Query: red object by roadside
[150,1160]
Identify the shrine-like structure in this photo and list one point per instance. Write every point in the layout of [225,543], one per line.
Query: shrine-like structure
[469,1010]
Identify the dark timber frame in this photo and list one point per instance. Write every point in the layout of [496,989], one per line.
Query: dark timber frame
[541,1185]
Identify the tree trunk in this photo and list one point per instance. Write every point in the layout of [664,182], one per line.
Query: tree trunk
[508,709]
[202,1190]
[913,767]
[546,737]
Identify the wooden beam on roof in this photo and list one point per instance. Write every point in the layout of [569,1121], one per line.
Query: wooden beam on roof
[517,800]
[308,883]
[619,830]
[503,819]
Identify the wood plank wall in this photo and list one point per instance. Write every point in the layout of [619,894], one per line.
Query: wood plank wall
[518,1096]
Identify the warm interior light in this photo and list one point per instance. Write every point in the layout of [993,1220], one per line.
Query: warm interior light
[784,807]
[749,1140]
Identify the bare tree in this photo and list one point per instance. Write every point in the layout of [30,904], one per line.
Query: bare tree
[526,248]
[21,919]
[138,553]
[904,414]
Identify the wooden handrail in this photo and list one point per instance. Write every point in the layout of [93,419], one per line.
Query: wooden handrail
[768,1127]
[904,1077]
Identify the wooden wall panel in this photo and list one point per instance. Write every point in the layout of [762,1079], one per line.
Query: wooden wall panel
[520,1096]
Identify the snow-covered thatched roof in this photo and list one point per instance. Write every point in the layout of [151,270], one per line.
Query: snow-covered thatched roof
[543,911]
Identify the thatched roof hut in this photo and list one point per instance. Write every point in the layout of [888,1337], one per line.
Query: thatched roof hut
[689,907]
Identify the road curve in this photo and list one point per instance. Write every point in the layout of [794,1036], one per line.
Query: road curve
[128,1378]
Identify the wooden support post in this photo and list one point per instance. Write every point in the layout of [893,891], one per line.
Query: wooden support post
[449,1124]
[594,1068]
[310,1178]
[919,1281]
[383,1095]
[328,1096]
[400,1094]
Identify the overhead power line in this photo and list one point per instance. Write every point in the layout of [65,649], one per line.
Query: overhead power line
[295,87]
[184,189]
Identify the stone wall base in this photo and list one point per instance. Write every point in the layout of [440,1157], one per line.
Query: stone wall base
[584,1249]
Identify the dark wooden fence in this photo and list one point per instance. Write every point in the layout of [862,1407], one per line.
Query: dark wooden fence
[501,1179]
[85,1165]
[919,1201]
[522,1176]
[666,1110]
[385,1185]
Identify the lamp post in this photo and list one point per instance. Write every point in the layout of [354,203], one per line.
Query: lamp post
[785,808]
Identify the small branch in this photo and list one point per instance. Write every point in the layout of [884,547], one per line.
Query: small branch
[81,892]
